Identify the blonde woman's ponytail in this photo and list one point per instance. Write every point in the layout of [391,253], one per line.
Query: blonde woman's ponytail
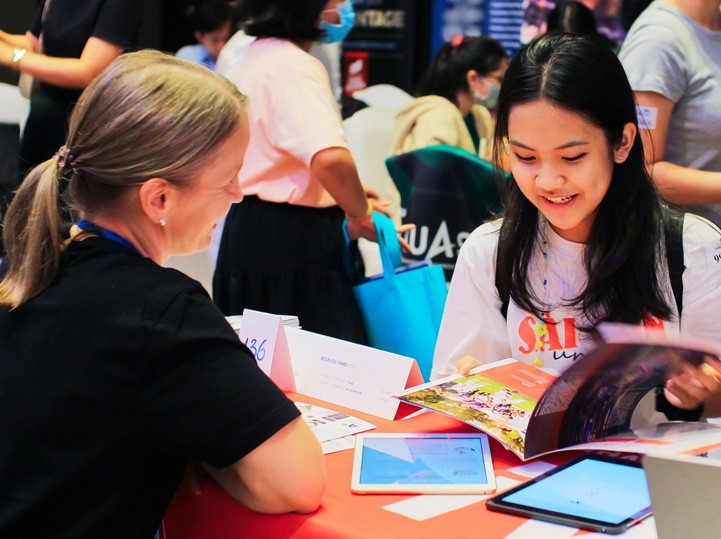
[147,115]
[32,238]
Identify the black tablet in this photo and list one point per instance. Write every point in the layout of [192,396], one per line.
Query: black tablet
[592,492]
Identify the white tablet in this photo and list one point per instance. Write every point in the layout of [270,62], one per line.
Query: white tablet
[434,463]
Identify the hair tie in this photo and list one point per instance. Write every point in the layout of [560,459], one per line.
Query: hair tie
[66,160]
[456,40]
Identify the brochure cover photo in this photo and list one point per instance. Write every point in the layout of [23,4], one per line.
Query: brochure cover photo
[590,406]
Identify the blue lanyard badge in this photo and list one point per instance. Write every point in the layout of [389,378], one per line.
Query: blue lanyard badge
[109,234]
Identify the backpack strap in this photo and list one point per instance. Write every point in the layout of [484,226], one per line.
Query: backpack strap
[674,256]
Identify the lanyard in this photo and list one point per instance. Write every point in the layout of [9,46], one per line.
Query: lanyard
[109,234]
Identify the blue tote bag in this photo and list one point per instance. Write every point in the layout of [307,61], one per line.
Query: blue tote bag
[401,307]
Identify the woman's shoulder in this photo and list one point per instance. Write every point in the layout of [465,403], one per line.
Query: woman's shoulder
[659,16]
[125,274]
[481,113]
[698,231]
[428,104]
[483,241]
[282,58]
[659,26]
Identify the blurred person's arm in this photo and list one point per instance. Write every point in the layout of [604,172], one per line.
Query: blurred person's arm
[677,184]
[336,171]
[21,41]
[63,72]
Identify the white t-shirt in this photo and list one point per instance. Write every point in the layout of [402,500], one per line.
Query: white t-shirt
[329,55]
[292,117]
[474,325]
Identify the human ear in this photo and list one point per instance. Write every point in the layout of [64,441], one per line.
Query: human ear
[154,199]
[622,149]
[472,78]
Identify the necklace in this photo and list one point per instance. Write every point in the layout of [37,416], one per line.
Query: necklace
[540,328]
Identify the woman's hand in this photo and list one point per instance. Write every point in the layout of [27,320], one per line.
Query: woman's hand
[695,386]
[466,363]
[366,228]
[381,206]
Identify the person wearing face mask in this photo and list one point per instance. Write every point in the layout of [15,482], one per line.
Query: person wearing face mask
[455,97]
[327,51]
[281,249]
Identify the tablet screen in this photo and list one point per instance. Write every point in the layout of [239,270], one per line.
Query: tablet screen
[458,463]
[600,492]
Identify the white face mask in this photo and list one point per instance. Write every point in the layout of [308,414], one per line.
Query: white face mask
[489,101]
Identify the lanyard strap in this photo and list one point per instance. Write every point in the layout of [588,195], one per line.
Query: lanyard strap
[104,232]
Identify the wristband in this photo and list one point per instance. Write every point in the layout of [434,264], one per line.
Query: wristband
[364,217]
[18,54]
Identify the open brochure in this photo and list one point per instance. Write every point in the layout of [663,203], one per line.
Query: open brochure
[590,406]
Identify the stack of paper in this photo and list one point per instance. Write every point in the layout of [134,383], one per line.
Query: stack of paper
[289,321]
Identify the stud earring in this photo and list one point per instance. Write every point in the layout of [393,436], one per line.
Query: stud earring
[162,222]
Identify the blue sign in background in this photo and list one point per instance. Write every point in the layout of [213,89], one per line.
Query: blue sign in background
[499,19]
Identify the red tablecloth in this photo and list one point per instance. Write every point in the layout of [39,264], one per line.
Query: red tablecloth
[202,510]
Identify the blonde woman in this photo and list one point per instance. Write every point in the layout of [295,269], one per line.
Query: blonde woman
[114,371]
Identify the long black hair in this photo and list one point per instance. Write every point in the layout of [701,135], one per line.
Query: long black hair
[581,74]
[295,20]
[446,75]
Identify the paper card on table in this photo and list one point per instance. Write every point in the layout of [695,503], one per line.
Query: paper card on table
[351,375]
[335,430]
[264,335]
[329,424]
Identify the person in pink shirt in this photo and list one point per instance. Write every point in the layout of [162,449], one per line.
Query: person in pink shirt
[281,249]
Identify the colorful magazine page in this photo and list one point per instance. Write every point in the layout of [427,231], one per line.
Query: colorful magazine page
[333,429]
[497,398]
[594,400]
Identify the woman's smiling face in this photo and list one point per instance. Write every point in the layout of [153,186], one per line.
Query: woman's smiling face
[562,163]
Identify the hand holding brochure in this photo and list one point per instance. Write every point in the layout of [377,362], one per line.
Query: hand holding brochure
[588,407]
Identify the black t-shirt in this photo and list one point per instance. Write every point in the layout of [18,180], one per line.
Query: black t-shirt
[66,29]
[111,380]
[69,24]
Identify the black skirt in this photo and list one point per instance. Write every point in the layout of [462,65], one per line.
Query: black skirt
[285,259]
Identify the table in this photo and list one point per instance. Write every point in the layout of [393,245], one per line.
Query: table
[201,509]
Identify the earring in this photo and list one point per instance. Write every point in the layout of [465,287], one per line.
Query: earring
[162,222]
[619,157]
